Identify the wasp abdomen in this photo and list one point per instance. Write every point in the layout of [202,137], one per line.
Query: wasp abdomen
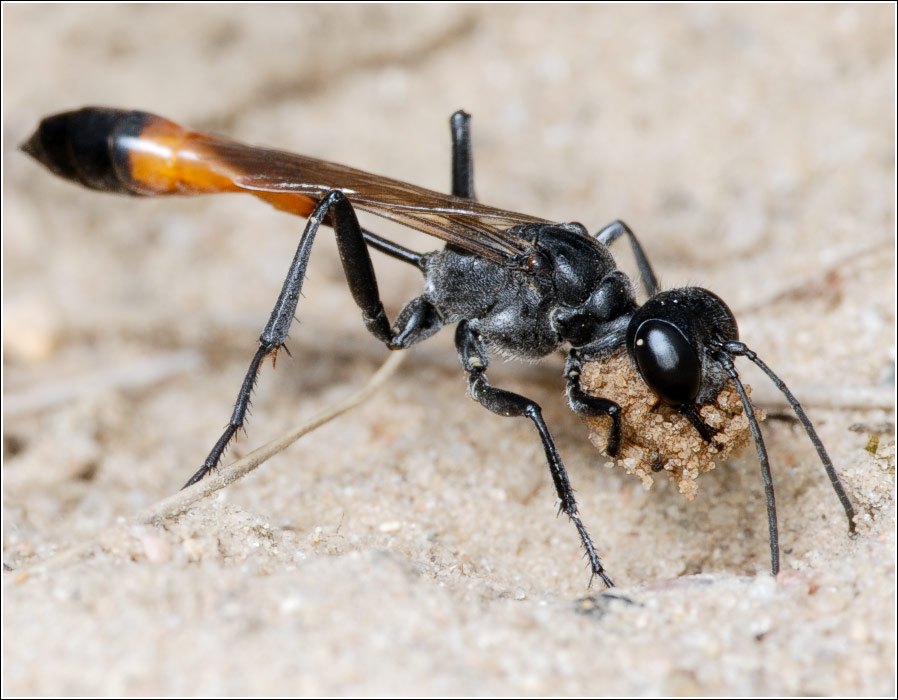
[84,146]
[129,152]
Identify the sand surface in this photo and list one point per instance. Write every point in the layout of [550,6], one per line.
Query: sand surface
[412,546]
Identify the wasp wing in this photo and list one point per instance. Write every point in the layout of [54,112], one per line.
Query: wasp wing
[296,183]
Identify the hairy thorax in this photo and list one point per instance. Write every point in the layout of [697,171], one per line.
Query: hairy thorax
[509,308]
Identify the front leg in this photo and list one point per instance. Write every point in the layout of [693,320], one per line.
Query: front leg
[591,406]
[473,354]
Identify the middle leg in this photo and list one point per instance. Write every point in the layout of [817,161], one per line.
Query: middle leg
[472,352]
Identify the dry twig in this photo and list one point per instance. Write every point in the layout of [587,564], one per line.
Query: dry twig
[183,500]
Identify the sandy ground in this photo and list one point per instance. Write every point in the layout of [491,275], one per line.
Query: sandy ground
[412,546]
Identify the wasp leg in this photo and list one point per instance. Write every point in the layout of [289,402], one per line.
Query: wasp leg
[472,352]
[394,250]
[610,233]
[418,320]
[462,156]
[592,406]
[462,160]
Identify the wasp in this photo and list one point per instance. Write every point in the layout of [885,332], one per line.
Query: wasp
[511,283]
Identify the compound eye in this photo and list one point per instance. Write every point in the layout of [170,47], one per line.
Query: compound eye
[668,362]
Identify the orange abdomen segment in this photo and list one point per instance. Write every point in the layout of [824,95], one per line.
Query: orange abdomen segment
[164,158]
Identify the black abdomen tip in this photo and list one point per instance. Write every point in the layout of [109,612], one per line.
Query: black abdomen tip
[81,145]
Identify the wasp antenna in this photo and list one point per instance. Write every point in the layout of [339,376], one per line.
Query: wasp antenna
[737,348]
[726,360]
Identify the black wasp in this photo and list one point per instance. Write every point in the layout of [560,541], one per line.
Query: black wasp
[512,283]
